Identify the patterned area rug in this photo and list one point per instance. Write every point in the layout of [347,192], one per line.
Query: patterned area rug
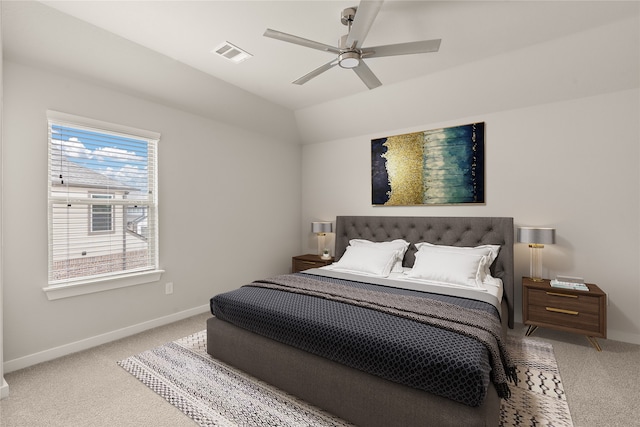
[215,394]
[539,398]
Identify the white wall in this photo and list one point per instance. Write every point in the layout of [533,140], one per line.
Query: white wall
[229,208]
[571,165]
[558,156]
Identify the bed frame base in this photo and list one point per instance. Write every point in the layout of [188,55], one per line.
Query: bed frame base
[353,395]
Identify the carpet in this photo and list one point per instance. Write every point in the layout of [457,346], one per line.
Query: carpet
[214,394]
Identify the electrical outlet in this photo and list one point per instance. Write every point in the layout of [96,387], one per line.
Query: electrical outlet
[168,288]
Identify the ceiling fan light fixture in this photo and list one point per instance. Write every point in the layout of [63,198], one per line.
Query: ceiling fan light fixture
[349,59]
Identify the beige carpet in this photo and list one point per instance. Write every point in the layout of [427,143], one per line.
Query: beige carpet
[212,393]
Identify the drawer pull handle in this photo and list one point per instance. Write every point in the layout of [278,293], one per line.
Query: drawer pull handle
[308,262]
[560,310]
[557,294]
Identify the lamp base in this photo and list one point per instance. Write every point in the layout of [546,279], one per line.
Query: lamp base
[321,247]
[535,261]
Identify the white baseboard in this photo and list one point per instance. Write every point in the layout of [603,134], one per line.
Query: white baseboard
[4,389]
[54,353]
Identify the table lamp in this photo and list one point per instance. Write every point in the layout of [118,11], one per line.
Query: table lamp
[536,238]
[321,228]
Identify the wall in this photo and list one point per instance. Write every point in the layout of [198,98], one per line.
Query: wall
[228,198]
[4,387]
[557,156]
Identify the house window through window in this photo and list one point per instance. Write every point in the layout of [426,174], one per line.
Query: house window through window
[102,200]
[101,215]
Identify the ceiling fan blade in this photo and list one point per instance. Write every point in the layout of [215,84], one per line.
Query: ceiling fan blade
[410,48]
[362,22]
[367,76]
[302,80]
[278,35]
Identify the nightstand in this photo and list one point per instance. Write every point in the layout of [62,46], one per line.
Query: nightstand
[305,262]
[580,312]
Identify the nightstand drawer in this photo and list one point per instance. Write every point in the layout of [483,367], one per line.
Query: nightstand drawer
[582,303]
[302,264]
[588,322]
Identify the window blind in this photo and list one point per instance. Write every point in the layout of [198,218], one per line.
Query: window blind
[102,199]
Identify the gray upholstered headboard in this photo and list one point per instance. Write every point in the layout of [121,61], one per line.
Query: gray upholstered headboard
[454,231]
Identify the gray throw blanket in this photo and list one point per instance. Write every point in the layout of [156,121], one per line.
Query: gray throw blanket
[479,325]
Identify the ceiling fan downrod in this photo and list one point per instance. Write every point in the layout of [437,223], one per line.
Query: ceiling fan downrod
[347,15]
[350,56]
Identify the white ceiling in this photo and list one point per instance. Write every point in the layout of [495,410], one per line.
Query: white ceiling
[187,31]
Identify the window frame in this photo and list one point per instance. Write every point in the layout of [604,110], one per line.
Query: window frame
[57,289]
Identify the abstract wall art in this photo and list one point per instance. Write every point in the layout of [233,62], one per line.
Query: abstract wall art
[435,167]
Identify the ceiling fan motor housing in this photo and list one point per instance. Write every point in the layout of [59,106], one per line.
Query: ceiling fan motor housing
[350,59]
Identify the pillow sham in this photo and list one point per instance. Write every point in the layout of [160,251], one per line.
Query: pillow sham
[457,268]
[398,244]
[488,251]
[371,260]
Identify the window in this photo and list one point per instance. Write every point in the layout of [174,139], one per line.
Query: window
[101,215]
[102,202]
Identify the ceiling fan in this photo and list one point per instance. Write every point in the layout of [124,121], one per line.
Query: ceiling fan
[350,52]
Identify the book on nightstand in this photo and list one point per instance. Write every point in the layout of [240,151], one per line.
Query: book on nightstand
[566,282]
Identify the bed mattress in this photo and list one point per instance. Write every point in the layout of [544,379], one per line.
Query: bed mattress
[398,349]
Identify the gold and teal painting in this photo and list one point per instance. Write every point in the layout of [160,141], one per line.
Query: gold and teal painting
[434,167]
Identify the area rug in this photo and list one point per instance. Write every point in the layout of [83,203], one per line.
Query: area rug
[212,393]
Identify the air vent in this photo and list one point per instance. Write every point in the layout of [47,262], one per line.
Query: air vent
[232,53]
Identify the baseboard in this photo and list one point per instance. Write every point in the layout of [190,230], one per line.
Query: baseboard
[4,389]
[54,353]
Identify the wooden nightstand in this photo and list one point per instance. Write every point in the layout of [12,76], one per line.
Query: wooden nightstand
[305,262]
[580,312]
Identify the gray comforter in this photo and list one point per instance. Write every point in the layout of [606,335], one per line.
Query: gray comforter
[445,345]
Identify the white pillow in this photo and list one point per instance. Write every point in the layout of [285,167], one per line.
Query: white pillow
[372,260]
[488,251]
[457,268]
[399,245]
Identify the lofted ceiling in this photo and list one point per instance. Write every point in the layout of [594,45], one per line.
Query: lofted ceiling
[187,31]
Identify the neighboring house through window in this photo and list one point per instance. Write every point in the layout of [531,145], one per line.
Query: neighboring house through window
[102,203]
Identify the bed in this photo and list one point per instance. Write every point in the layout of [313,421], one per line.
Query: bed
[369,395]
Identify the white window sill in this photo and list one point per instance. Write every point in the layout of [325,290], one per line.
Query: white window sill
[88,287]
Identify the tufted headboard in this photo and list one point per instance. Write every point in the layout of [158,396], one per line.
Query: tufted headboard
[453,231]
